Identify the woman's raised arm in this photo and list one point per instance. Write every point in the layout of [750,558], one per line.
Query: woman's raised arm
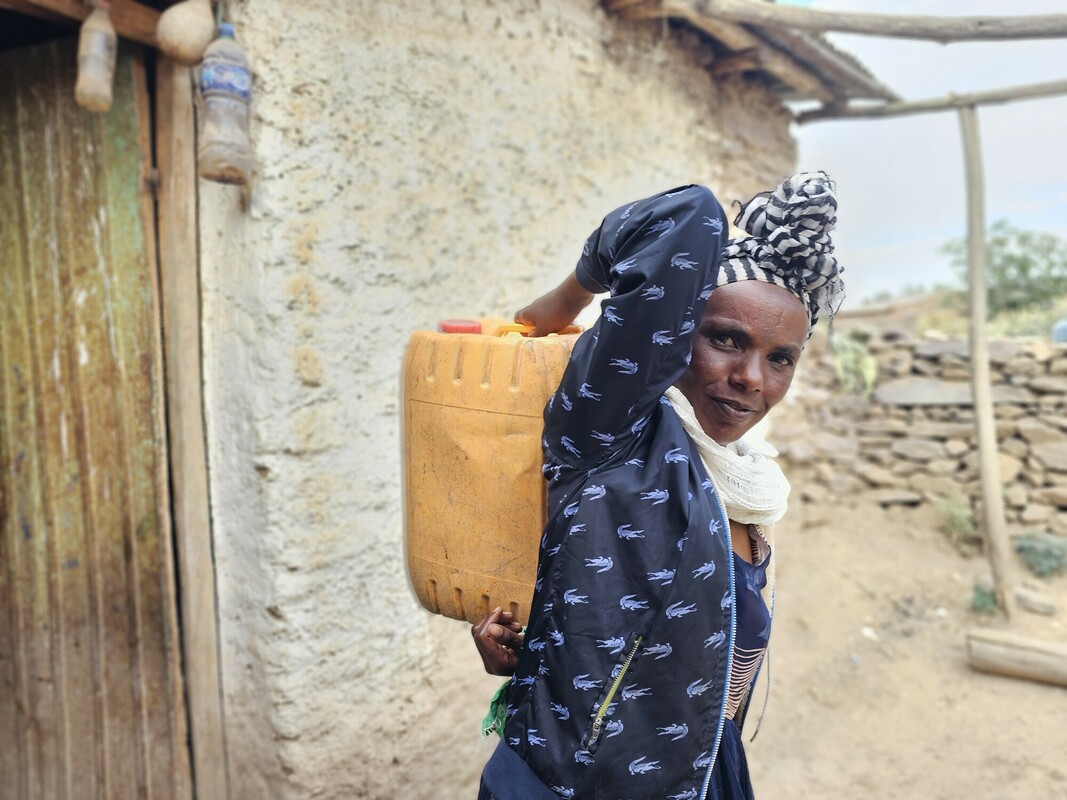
[658,257]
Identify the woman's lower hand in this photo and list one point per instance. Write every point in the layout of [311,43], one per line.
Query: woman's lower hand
[498,638]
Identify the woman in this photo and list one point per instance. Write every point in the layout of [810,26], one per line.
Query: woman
[648,626]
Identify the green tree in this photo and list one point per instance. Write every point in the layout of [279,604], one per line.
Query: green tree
[1025,269]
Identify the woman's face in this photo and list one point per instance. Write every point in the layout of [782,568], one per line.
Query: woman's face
[745,351]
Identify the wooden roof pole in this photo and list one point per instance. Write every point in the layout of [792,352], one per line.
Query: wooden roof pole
[1030,91]
[938,29]
[985,423]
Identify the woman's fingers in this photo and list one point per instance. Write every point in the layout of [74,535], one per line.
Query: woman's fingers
[508,619]
[497,638]
[499,628]
[478,628]
[505,637]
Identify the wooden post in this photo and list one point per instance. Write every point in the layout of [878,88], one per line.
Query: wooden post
[992,500]
[179,276]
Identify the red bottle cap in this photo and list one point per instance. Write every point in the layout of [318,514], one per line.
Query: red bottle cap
[459,326]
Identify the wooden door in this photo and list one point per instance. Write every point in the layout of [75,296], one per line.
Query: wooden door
[91,696]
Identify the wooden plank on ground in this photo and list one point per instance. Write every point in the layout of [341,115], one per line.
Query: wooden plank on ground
[1004,653]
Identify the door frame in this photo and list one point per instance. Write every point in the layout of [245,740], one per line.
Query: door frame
[179,280]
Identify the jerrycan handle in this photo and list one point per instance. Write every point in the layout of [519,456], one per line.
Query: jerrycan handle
[524,330]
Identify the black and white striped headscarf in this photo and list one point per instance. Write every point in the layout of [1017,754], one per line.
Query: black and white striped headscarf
[790,244]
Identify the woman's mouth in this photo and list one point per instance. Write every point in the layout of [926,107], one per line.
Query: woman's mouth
[731,410]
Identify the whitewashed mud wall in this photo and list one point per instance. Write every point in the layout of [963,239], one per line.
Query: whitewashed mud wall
[415,161]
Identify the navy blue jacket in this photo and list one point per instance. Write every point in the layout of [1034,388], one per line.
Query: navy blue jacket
[621,682]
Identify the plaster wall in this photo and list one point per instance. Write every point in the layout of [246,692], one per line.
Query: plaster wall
[415,161]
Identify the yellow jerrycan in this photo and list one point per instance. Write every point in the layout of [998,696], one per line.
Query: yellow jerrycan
[474,395]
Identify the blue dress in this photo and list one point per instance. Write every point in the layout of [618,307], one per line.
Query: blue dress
[729,777]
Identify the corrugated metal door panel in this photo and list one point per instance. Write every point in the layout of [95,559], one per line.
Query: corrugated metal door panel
[90,685]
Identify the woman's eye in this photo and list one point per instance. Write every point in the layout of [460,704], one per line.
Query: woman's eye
[782,360]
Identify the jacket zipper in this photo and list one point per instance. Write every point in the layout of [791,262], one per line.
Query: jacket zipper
[729,652]
[598,720]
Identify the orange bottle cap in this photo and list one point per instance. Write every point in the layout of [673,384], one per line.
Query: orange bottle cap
[459,326]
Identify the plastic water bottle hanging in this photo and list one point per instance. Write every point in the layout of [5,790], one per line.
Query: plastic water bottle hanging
[225,153]
[97,44]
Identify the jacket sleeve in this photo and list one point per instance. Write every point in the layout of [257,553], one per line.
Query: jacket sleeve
[659,258]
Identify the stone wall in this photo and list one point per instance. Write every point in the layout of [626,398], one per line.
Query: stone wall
[415,160]
[914,441]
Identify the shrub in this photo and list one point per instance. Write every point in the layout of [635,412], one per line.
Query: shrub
[983,601]
[957,523]
[1043,554]
[855,367]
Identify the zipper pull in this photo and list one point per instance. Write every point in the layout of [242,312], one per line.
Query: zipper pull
[594,734]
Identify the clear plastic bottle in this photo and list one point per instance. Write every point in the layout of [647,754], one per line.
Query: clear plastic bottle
[96,62]
[225,153]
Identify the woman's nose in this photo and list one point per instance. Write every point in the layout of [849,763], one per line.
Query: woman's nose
[748,374]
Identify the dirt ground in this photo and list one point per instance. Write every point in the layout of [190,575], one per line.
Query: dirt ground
[871,693]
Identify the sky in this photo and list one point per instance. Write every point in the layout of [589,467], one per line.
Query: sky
[901,188]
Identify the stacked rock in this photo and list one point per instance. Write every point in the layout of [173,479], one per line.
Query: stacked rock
[913,440]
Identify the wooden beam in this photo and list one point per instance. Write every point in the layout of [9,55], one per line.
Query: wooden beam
[998,546]
[621,6]
[744,61]
[1004,654]
[780,66]
[938,29]
[34,10]
[179,277]
[952,101]
[131,20]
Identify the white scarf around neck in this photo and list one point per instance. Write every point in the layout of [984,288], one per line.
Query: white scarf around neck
[750,483]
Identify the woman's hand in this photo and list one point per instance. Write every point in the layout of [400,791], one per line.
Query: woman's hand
[498,640]
[555,310]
